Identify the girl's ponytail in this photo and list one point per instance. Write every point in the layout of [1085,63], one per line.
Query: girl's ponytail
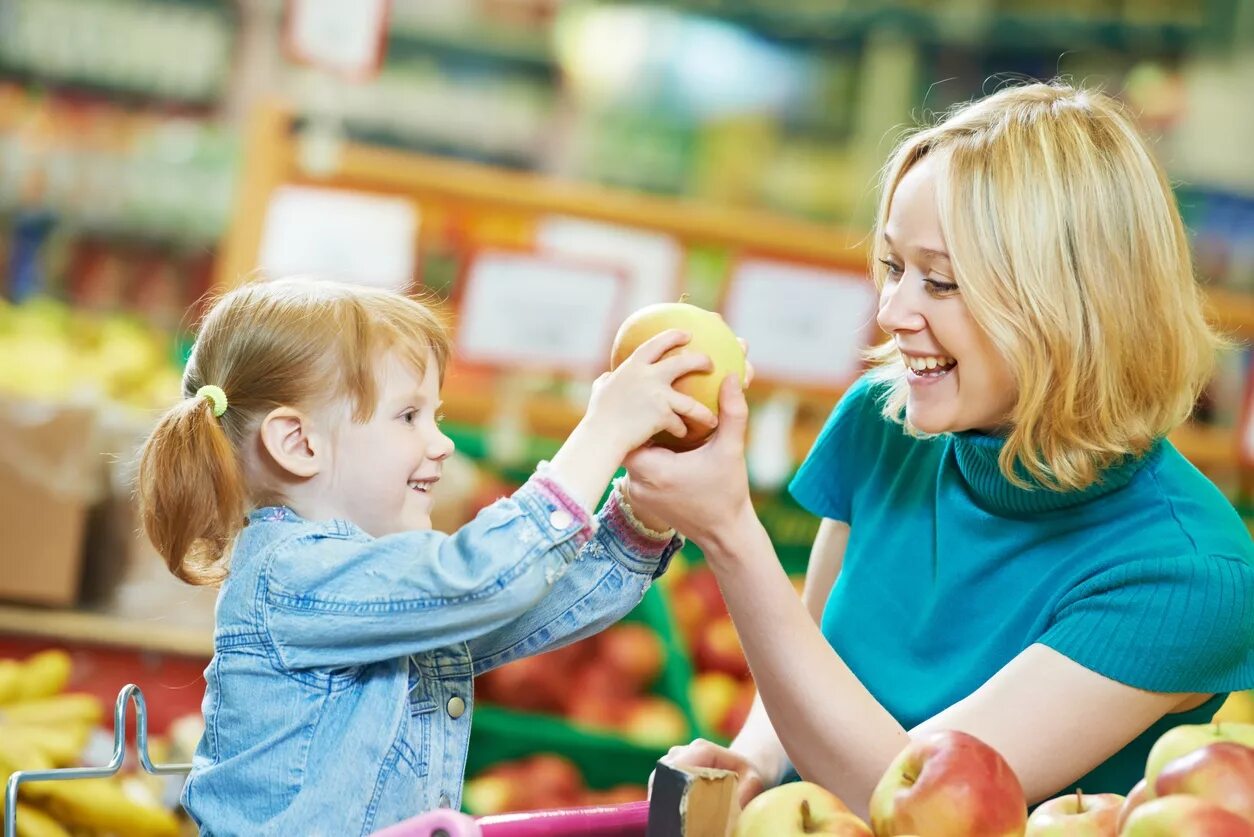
[191,489]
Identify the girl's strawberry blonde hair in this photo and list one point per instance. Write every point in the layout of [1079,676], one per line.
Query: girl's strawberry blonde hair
[293,342]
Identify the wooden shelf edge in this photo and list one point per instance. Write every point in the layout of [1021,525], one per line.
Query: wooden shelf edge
[83,627]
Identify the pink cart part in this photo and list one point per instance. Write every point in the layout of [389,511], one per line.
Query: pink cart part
[441,822]
[630,819]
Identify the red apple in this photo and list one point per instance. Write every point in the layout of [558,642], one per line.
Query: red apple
[1184,816]
[634,652]
[798,808]
[1076,815]
[949,784]
[710,336]
[1186,738]
[1222,773]
[654,722]
[718,649]
[1139,795]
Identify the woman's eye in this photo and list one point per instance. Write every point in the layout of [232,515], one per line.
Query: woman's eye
[940,288]
[894,269]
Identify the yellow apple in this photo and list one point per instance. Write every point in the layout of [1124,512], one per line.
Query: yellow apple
[1139,795]
[1076,815]
[799,808]
[710,336]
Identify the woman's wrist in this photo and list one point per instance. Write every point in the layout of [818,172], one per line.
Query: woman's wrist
[640,519]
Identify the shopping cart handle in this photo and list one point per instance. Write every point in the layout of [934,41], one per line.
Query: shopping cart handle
[630,819]
[626,820]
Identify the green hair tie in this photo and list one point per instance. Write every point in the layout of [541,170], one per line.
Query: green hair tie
[216,397]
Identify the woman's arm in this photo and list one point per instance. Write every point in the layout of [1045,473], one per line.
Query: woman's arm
[838,735]
[757,739]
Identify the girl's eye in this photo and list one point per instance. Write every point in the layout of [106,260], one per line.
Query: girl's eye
[894,269]
[939,288]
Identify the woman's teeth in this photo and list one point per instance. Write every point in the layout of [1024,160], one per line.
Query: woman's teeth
[930,365]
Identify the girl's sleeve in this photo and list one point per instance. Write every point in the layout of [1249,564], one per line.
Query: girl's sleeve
[1179,624]
[607,579]
[337,598]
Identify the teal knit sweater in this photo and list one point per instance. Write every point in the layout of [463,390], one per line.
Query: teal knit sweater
[951,571]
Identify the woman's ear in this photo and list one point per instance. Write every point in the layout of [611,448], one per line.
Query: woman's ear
[288,436]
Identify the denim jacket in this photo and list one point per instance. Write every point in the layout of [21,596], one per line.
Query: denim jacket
[339,697]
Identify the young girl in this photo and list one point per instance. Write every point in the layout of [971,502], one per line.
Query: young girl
[1009,547]
[298,472]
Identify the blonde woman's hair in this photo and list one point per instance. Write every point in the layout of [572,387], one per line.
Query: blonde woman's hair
[289,342]
[1065,238]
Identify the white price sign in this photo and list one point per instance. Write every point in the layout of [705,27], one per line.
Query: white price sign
[528,309]
[351,236]
[805,325]
[346,37]
[651,260]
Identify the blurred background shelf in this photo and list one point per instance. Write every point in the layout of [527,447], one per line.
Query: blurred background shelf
[74,627]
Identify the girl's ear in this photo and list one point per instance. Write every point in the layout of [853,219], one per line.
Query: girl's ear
[289,437]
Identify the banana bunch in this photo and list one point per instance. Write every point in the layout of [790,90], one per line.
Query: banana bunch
[42,727]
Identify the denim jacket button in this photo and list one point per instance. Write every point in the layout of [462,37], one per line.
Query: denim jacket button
[445,802]
[560,519]
[456,706]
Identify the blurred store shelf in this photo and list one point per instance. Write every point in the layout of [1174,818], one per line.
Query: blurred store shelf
[76,626]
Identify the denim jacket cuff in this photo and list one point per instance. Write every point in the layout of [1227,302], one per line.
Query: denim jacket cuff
[558,509]
[639,547]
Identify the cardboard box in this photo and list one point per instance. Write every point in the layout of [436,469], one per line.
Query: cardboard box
[51,473]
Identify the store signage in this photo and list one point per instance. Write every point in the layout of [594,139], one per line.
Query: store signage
[651,260]
[532,310]
[340,234]
[805,324]
[345,37]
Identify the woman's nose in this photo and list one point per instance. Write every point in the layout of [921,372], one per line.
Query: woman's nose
[899,310]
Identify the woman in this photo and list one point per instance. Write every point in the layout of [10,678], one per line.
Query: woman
[1009,545]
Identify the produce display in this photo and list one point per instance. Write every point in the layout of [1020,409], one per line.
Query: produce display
[537,782]
[1199,782]
[43,727]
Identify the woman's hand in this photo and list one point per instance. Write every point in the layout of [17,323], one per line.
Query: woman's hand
[702,753]
[702,492]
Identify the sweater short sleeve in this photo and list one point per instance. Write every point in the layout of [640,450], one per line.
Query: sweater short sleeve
[1182,624]
[843,453]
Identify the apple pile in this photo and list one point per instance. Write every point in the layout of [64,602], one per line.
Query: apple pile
[722,689]
[538,782]
[1199,780]
[601,682]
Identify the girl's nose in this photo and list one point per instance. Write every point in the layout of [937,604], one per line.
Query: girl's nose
[441,448]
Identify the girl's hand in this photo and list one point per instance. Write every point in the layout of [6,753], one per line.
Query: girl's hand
[636,401]
[702,753]
[700,492]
